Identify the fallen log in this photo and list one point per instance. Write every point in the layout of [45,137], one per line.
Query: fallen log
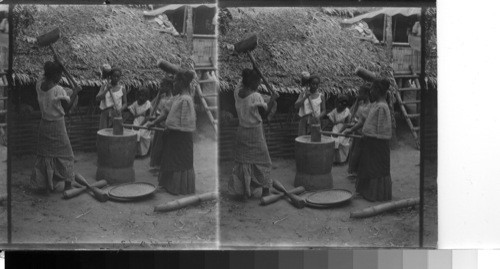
[375,210]
[184,202]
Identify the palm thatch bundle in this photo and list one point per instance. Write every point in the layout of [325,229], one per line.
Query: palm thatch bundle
[90,37]
[292,40]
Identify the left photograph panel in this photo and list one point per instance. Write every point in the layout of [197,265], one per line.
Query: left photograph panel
[4,65]
[114,128]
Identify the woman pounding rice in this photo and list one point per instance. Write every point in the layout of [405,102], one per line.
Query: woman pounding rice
[360,111]
[163,105]
[176,170]
[252,161]
[54,163]
[374,174]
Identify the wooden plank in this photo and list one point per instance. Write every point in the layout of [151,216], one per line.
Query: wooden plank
[408,89]
[409,75]
[205,68]
[206,81]
[411,102]
[210,95]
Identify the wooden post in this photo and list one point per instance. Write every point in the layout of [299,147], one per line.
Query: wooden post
[184,21]
[189,28]
[388,35]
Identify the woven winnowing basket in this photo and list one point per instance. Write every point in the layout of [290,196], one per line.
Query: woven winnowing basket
[132,190]
[329,197]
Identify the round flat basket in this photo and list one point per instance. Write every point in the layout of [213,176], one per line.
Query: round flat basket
[329,198]
[131,191]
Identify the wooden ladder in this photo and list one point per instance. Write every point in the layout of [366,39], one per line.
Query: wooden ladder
[3,110]
[210,110]
[411,119]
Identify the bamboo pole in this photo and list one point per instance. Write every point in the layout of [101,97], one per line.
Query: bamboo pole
[375,210]
[337,134]
[184,202]
[143,127]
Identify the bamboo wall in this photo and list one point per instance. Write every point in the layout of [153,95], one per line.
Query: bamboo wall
[82,130]
[403,56]
[205,50]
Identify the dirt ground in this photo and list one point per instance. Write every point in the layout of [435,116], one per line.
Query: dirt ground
[84,221]
[3,191]
[244,224]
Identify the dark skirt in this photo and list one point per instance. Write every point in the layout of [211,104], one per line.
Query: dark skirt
[354,156]
[176,172]
[156,149]
[374,169]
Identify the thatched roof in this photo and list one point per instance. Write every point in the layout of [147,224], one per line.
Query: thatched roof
[292,40]
[92,36]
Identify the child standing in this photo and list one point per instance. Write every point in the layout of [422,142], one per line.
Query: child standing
[311,105]
[340,116]
[113,99]
[141,109]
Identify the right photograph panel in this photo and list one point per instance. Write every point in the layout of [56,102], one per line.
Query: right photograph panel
[324,114]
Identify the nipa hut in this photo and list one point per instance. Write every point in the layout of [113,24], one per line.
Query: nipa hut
[91,36]
[292,40]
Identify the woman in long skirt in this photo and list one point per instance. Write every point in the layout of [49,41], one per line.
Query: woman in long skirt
[360,111]
[374,174]
[163,105]
[177,171]
[54,163]
[252,161]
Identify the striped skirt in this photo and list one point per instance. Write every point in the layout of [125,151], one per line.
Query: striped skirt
[252,162]
[55,161]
